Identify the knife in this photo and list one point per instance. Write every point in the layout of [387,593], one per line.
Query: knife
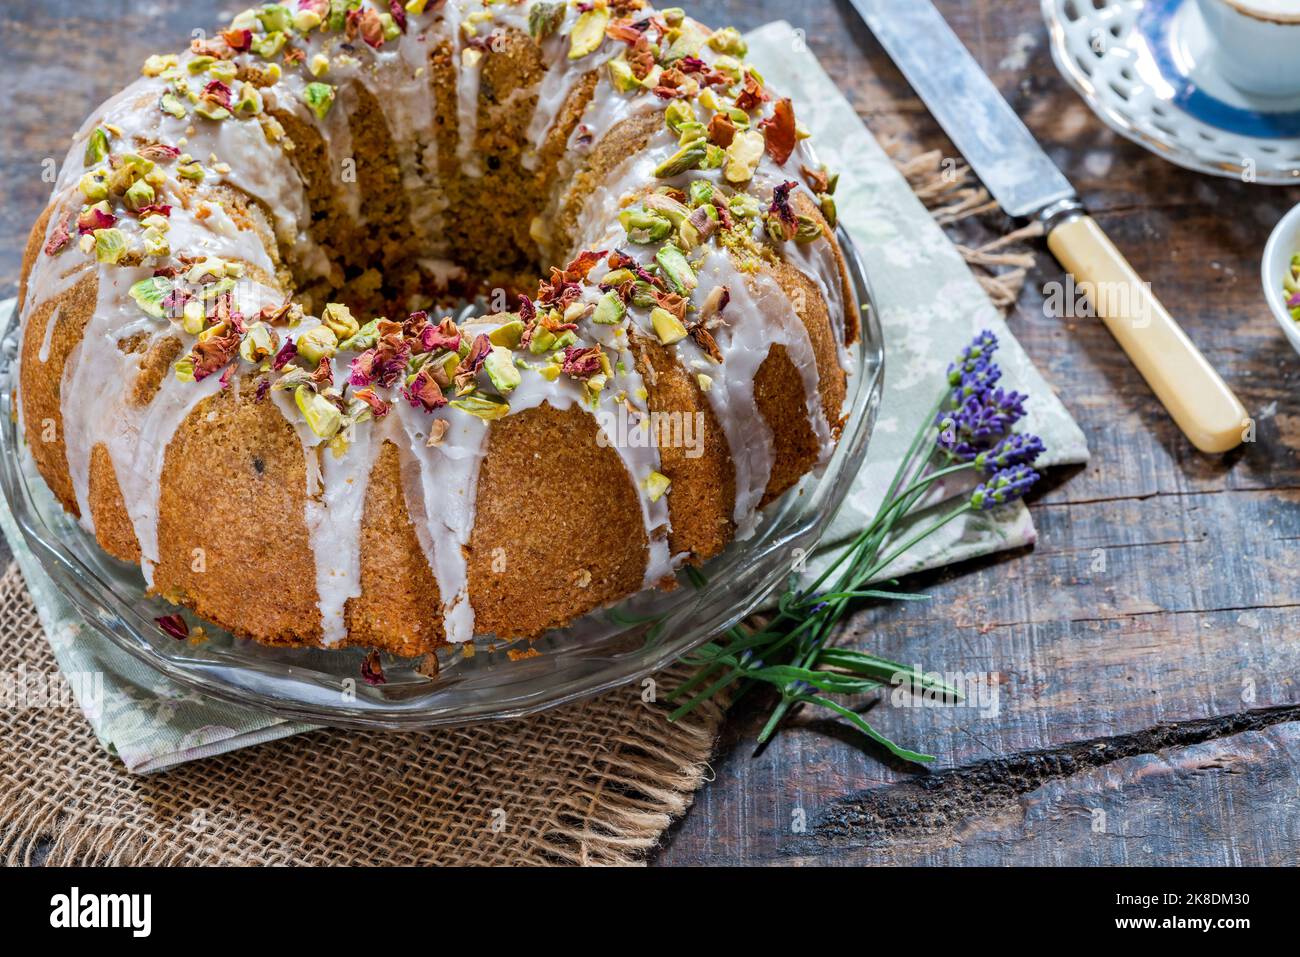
[1027,184]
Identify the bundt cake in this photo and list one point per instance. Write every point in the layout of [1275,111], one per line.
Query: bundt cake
[240,366]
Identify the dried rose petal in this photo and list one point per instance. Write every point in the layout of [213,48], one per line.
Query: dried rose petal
[581,363]
[752,95]
[217,92]
[158,151]
[780,132]
[818,180]
[781,209]
[93,218]
[722,130]
[62,235]
[173,626]
[262,389]
[444,335]
[212,354]
[238,40]
[159,209]
[378,407]
[372,672]
[372,28]
[285,355]
[424,392]
[399,13]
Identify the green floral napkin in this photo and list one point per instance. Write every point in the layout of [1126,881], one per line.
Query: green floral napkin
[928,303]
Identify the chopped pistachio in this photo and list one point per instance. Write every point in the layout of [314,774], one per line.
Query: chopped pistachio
[621,76]
[609,310]
[810,230]
[544,19]
[416,7]
[500,368]
[543,341]
[192,170]
[322,415]
[304,21]
[643,295]
[141,194]
[320,97]
[484,406]
[644,226]
[156,243]
[319,64]
[269,46]
[743,156]
[588,33]
[744,206]
[829,211]
[701,192]
[616,277]
[171,105]
[259,342]
[96,146]
[677,113]
[110,245]
[508,334]
[674,267]
[667,327]
[705,382]
[729,41]
[184,369]
[729,67]
[200,64]
[656,484]
[224,70]
[664,205]
[363,339]
[275,17]
[339,320]
[250,100]
[673,16]
[576,311]
[690,38]
[149,294]
[692,132]
[94,185]
[318,342]
[158,65]
[686,158]
[193,317]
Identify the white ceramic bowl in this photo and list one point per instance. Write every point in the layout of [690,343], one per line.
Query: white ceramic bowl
[1284,243]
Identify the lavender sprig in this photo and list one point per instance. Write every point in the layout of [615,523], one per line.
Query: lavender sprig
[969,431]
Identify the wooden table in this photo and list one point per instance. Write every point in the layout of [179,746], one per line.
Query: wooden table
[1146,651]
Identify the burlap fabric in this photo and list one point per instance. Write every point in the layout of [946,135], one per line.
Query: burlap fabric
[593,783]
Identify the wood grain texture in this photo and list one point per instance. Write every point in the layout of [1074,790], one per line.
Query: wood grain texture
[1144,653]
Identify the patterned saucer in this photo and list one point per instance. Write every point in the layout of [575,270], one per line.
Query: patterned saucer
[1147,68]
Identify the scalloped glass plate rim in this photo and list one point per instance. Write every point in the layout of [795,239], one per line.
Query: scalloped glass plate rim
[580,661]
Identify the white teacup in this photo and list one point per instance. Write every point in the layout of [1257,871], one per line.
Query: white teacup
[1257,43]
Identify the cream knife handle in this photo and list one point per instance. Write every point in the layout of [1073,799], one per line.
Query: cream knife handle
[1195,395]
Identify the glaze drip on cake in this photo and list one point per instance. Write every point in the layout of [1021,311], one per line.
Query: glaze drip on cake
[232,232]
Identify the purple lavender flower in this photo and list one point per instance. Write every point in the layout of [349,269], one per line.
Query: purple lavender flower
[973,383]
[1005,486]
[974,356]
[1019,448]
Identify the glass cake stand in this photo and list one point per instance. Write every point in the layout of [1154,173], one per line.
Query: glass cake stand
[603,650]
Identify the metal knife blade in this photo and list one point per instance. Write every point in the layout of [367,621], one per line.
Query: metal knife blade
[980,123]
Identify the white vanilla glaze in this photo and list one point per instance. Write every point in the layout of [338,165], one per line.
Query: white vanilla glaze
[440,481]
